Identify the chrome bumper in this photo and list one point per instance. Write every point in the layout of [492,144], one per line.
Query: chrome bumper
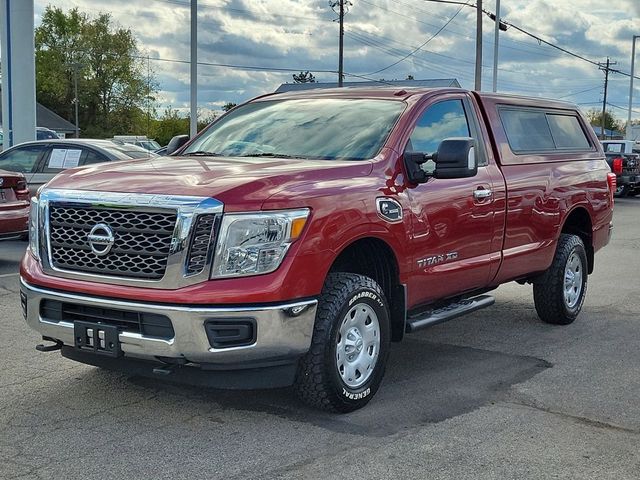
[282,330]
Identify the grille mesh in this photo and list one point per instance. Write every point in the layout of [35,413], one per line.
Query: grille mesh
[200,244]
[140,250]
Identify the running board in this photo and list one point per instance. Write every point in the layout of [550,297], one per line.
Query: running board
[448,312]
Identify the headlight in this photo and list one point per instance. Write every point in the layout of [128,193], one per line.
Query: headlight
[34,242]
[256,243]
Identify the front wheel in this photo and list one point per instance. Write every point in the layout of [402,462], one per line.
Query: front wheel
[346,361]
[559,294]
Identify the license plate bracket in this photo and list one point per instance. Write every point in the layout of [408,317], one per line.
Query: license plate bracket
[97,338]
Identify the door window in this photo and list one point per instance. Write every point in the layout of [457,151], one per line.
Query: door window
[442,120]
[60,159]
[94,157]
[21,160]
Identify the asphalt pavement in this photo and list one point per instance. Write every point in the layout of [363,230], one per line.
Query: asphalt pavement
[496,394]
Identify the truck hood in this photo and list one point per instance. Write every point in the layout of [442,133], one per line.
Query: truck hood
[240,183]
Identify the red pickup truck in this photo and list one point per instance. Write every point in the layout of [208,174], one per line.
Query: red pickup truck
[299,234]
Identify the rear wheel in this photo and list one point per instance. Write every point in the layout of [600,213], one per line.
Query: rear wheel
[346,361]
[559,294]
[622,191]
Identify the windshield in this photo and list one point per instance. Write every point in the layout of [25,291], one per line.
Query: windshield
[331,129]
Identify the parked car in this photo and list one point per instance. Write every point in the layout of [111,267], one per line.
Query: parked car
[299,234]
[42,160]
[42,133]
[625,163]
[14,205]
[138,140]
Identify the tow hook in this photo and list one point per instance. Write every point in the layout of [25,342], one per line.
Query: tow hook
[57,345]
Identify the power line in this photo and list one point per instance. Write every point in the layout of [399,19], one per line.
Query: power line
[425,43]
[581,91]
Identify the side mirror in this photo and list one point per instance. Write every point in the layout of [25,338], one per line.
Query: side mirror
[456,158]
[413,162]
[176,143]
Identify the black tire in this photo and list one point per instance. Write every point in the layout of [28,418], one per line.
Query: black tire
[549,296]
[318,381]
[621,191]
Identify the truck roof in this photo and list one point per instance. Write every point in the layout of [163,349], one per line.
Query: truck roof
[390,92]
[402,93]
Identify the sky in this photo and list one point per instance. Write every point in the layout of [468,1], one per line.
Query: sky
[303,35]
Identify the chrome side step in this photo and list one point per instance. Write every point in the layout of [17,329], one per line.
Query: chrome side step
[448,312]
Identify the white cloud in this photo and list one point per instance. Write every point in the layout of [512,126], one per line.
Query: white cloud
[301,35]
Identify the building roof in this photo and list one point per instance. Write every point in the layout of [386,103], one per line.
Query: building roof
[430,83]
[49,119]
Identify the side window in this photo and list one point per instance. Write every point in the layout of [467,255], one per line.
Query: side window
[442,120]
[613,147]
[567,132]
[60,159]
[21,160]
[537,130]
[527,130]
[93,157]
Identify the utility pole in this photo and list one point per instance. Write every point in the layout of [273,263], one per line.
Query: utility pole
[342,9]
[76,101]
[495,47]
[633,61]
[606,69]
[193,122]
[341,47]
[478,84]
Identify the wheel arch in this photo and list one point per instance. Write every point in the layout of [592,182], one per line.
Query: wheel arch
[375,258]
[578,222]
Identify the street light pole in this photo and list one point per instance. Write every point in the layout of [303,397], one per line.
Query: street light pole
[193,122]
[633,61]
[478,83]
[76,101]
[495,47]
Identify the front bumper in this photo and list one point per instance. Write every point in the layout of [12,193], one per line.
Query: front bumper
[282,331]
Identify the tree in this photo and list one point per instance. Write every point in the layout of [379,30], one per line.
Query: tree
[610,122]
[228,106]
[304,77]
[114,86]
[410,77]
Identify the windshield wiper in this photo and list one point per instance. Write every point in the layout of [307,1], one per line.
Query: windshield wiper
[270,154]
[201,153]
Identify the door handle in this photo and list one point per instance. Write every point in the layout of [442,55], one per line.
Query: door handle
[482,193]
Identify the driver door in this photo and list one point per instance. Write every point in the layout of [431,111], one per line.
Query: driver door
[453,219]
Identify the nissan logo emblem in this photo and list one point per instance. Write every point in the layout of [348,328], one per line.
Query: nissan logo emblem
[101,239]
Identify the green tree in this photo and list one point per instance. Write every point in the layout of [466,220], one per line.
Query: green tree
[228,106]
[304,77]
[610,122]
[170,123]
[115,89]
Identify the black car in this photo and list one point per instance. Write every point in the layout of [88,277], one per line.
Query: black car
[42,160]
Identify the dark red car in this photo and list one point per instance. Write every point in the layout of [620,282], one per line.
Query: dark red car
[14,205]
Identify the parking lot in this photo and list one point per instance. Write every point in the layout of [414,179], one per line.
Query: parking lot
[497,394]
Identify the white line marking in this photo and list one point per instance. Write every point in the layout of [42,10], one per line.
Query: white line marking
[5,275]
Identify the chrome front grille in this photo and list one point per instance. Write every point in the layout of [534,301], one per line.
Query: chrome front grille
[141,246]
[136,239]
